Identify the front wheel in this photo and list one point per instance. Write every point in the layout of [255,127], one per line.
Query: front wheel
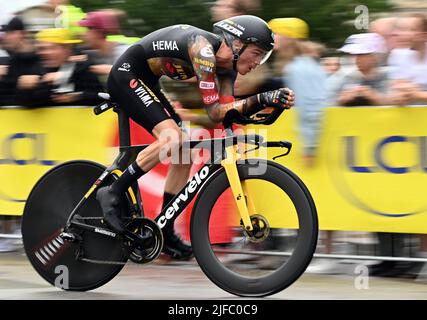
[274,256]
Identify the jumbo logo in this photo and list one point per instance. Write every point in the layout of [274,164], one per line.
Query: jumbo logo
[133,83]
[382,175]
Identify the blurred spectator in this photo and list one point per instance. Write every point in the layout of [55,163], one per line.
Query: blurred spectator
[403,32]
[367,84]
[68,81]
[223,9]
[408,66]
[68,17]
[56,3]
[397,38]
[305,75]
[388,29]
[331,65]
[42,14]
[21,70]
[102,53]
[287,32]
[408,71]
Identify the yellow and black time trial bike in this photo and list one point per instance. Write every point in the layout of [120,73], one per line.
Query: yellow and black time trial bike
[253,225]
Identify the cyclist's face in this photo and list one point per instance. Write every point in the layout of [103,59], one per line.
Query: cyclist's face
[250,59]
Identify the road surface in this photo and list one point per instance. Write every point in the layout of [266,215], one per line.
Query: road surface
[170,281]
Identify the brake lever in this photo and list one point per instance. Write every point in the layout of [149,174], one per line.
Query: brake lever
[283,144]
[276,144]
[281,155]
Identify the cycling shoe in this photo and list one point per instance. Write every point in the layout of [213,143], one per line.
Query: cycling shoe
[110,204]
[175,247]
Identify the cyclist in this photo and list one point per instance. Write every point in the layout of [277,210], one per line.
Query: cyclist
[238,45]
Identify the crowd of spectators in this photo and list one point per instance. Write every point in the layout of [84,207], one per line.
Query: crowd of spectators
[385,66]
[56,66]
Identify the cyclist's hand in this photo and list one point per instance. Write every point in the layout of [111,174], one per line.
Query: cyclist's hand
[281,98]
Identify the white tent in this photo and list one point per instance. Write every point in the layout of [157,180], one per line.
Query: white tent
[8,8]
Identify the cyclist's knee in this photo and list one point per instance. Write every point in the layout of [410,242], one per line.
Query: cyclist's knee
[182,166]
[171,140]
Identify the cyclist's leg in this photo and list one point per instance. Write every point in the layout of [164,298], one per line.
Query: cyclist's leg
[133,94]
[175,181]
[178,173]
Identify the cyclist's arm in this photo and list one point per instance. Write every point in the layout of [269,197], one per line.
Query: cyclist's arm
[217,93]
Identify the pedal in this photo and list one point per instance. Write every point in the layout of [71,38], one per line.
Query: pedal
[70,237]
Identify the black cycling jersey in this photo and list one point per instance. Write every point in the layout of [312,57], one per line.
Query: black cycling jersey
[179,52]
[172,44]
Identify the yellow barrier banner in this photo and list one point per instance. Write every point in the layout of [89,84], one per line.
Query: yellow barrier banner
[34,141]
[370,172]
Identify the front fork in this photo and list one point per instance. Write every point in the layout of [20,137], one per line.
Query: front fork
[239,189]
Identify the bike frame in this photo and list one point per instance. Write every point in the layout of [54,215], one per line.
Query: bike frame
[223,151]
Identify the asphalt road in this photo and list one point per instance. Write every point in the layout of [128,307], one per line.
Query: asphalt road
[163,280]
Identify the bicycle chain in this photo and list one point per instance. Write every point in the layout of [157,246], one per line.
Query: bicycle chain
[102,261]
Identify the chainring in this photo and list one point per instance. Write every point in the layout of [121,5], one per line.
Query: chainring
[151,248]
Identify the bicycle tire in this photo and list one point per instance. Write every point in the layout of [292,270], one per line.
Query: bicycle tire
[45,214]
[305,247]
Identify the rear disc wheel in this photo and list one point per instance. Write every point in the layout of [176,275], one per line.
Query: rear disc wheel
[45,215]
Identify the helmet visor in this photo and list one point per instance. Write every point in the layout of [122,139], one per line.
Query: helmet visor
[267,55]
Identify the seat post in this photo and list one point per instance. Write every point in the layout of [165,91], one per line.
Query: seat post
[124,128]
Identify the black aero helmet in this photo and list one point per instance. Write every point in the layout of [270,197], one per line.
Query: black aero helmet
[248,29]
